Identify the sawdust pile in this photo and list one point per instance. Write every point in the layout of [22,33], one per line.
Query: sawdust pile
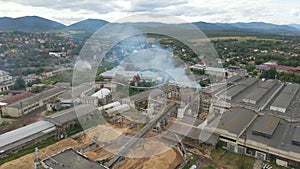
[157,155]
[98,155]
[105,133]
[26,161]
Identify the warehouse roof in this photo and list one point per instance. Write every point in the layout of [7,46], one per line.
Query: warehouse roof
[17,97]
[286,96]
[233,79]
[235,120]
[256,95]
[75,92]
[36,98]
[23,132]
[70,159]
[102,93]
[268,84]
[70,114]
[296,136]
[248,81]
[233,91]
[265,126]
[282,136]
[193,132]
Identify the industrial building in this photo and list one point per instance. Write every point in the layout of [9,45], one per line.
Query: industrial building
[70,159]
[261,119]
[264,137]
[258,118]
[72,96]
[6,80]
[285,98]
[22,137]
[32,103]
[67,119]
[53,125]
[119,72]
[16,97]
[54,73]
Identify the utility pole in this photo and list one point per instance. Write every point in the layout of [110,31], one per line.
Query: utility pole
[22,112]
[37,164]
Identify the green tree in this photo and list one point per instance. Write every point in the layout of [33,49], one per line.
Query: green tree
[269,74]
[19,84]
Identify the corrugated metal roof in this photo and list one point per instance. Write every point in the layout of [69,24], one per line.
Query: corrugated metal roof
[286,96]
[70,114]
[36,98]
[17,97]
[23,132]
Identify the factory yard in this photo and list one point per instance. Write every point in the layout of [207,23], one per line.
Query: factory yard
[29,118]
[163,156]
[26,161]
[169,159]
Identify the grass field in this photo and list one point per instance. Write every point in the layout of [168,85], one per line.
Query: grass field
[28,150]
[239,38]
[232,160]
[243,38]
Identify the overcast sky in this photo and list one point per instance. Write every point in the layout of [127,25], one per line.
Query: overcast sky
[71,11]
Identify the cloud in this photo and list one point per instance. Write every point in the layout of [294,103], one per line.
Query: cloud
[67,11]
[103,6]
[295,12]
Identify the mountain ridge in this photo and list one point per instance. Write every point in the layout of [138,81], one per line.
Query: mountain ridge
[39,24]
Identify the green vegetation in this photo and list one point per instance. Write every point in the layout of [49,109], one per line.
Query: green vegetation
[36,81]
[209,167]
[234,161]
[64,77]
[192,160]
[3,93]
[74,130]
[9,117]
[28,150]
[19,84]
[269,74]
[283,76]
[288,77]
[4,123]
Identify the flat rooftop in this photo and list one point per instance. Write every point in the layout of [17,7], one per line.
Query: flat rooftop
[235,120]
[233,91]
[70,159]
[282,136]
[296,136]
[286,96]
[265,126]
[255,96]
[248,81]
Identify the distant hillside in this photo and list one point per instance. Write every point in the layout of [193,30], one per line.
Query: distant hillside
[89,25]
[38,24]
[29,24]
[259,27]
[297,26]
